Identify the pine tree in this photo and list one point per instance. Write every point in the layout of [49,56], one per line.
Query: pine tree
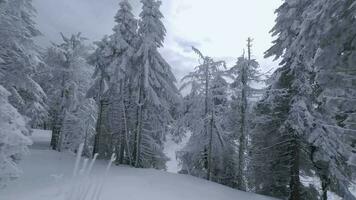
[156,93]
[20,59]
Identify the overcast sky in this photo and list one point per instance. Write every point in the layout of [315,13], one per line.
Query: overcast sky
[218,28]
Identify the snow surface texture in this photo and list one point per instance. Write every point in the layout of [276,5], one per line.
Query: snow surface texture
[170,149]
[47,175]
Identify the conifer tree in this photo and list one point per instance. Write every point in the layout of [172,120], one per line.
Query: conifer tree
[156,93]
[292,104]
[245,73]
[20,59]
[13,142]
[210,150]
[71,112]
[113,89]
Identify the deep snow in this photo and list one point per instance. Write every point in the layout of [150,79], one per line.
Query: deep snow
[48,175]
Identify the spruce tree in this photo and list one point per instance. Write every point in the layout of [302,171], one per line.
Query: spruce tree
[304,29]
[245,74]
[210,150]
[114,87]
[157,92]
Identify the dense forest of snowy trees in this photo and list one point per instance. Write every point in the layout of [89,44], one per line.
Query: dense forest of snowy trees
[255,132]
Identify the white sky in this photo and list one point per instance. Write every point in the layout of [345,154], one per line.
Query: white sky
[218,28]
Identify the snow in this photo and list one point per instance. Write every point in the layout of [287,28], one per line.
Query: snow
[315,181]
[170,149]
[48,175]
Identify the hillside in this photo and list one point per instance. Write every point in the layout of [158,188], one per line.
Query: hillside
[48,175]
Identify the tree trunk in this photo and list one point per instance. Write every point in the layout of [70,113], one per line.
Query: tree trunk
[294,173]
[242,139]
[139,128]
[98,129]
[207,127]
[210,149]
[325,181]
[122,148]
[126,134]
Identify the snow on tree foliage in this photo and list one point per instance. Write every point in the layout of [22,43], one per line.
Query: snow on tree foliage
[157,92]
[244,74]
[113,88]
[136,88]
[308,108]
[13,142]
[20,59]
[210,150]
[73,116]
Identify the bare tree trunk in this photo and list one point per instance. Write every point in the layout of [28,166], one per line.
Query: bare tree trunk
[55,137]
[294,173]
[325,181]
[210,148]
[58,122]
[98,129]
[122,148]
[100,118]
[126,134]
[139,126]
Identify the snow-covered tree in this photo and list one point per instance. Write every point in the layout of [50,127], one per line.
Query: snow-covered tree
[334,136]
[210,150]
[245,74]
[100,59]
[156,93]
[20,59]
[295,109]
[13,142]
[73,116]
[122,100]
[115,84]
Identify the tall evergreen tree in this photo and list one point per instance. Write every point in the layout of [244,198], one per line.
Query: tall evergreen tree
[292,105]
[245,74]
[115,69]
[120,92]
[156,93]
[100,59]
[210,150]
[71,113]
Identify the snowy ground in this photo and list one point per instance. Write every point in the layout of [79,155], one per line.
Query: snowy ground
[48,175]
[170,149]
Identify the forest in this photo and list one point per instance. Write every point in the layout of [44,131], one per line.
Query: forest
[286,132]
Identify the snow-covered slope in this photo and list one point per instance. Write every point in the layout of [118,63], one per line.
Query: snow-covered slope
[47,175]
